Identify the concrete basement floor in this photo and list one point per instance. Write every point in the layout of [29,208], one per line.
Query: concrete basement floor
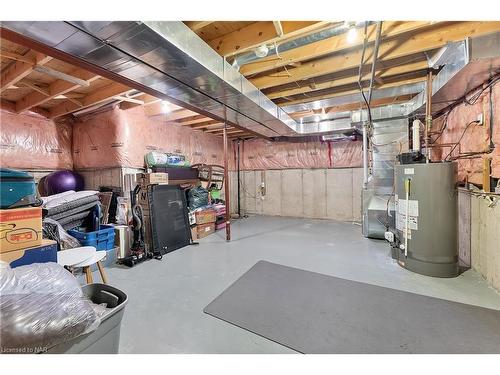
[166,298]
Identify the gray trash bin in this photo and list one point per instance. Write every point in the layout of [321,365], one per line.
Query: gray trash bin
[106,338]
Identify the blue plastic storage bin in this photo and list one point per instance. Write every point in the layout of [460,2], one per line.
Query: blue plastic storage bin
[102,239]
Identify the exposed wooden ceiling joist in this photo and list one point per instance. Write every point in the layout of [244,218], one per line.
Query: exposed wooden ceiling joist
[382,73]
[258,33]
[16,57]
[352,90]
[206,125]
[197,25]
[62,76]
[193,120]
[97,97]
[329,45]
[175,113]
[59,87]
[146,100]
[20,69]
[428,39]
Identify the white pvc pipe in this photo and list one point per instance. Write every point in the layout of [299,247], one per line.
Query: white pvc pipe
[416,135]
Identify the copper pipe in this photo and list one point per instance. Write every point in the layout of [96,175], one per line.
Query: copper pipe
[226,184]
[428,113]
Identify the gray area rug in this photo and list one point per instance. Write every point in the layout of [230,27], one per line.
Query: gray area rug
[314,313]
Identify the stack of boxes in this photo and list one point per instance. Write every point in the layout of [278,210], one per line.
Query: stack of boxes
[21,240]
[202,223]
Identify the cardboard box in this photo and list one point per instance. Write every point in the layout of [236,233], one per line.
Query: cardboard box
[20,228]
[205,216]
[152,178]
[194,233]
[45,252]
[203,230]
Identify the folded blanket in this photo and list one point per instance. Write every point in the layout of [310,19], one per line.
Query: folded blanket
[51,198]
[73,211]
[78,216]
[66,197]
[76,205]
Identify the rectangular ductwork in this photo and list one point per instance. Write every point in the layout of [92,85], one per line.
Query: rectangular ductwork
[466,65]
[170,59]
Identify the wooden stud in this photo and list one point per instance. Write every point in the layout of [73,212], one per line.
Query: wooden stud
[486,175]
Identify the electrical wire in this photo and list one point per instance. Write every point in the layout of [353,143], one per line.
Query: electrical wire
[460,139]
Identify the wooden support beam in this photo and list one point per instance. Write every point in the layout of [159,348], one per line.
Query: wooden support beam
[62,76]
[158,109]
[42,90]
[333,83]
[20,69]
[258,33]
[193,120]
[145,98]
[17,57]
[206,125]
[97,97]
[352,91]
[330,45]
[229,131]
[358,105]
[215,130]
[130,100]
[197,25]
[397,47]
[279,28]
[56,88]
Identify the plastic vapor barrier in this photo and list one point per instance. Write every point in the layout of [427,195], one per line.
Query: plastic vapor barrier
[475,140]
[122,138]
[31,141]
[260,154]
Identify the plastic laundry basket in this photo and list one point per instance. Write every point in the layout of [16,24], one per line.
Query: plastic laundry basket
[106,338]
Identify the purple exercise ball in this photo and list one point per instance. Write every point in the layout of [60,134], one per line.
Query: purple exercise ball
[61,181]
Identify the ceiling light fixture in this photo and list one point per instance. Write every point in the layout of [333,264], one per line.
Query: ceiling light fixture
[261,51]
[352,34]
[165,106]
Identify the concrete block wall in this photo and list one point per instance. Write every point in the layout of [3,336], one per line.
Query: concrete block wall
[309,193]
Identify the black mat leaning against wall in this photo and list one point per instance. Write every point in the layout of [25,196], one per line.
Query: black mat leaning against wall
[314,313]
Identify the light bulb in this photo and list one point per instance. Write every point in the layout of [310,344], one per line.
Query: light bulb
[165,107]
[261,51]
[352,34]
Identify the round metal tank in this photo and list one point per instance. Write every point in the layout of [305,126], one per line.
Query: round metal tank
[432,245]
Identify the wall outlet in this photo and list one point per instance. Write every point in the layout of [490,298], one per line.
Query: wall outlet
[480,119]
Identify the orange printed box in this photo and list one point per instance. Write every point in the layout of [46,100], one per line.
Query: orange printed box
[20,228]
